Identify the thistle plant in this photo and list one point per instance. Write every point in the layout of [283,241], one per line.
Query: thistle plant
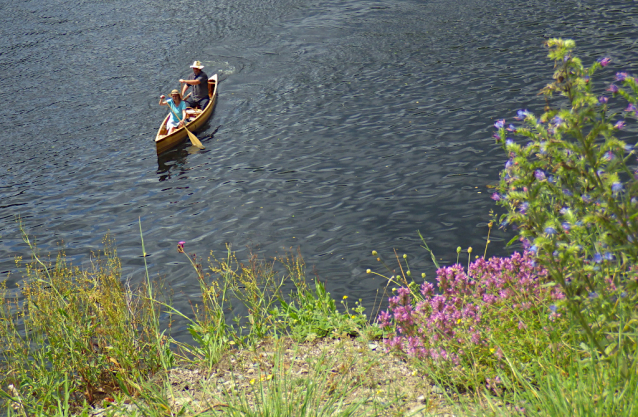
[569,186]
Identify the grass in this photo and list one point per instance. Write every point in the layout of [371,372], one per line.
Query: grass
[79,342]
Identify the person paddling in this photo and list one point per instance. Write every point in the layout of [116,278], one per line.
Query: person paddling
[199,83]
[177,111]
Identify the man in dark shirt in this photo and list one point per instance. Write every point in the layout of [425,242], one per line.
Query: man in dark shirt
[199,81]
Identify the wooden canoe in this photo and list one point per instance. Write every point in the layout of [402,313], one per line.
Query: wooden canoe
[164,142]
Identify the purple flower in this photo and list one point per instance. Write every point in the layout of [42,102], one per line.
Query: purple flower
[550,230]
[604,61]
[511,128]
[586,198]
[509,164]
[180,246]
[593,295]
[509,142]
[539,174]
[613,88]
[523,208]
[619,124]
[631,107]
[621,76]
[496,197]
[567,192]
[499,124]
[522,114]
[603,99]
[597,258]
[566,226]
[608,156]
[558,120]
[616,187]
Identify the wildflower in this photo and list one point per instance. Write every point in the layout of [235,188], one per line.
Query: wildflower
[523,207]
[613,88]
[496,197]
[619,124]
[345,297]
[557,120]
[509,163]
[405,256]
[522,114]
[533,249]
[603,100]
[511,128]
[499,124]
[550,230]
[604,61]
[567,192]
[586,198]
[566,226]
[597,258]
[586,79]
[593,295]
[539,174]
[553,308]
[616,187]
[469,250]
[609,256]
[521,325]
[374,253]
[509,142]
[180,246]
[631,107]
[620,76]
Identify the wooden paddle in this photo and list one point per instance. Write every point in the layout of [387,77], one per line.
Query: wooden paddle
[194,141]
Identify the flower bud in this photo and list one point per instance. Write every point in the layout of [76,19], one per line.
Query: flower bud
[374,253]
[423,275]
[408,273]
[458,250]
[405,256]
[368,271]
[469,250]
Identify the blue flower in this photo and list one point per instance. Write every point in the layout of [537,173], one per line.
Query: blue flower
[567,192]
[593,295]
[496,197]
[619,124]
[631,107]
[603,99]
[533,249]
[539,174]
[564,210]
[604,61]
[629,147]
[550,230]
[609,256]
[509,142]
[509,164]
[499,124]
[597,258]
[613,88]
[616,187]
[522,114]
[523,208]
[566,226]
[553,308]
[511,128]
[621,76]
[557,120]
[586,198]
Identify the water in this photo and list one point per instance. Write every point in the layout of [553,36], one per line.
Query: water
[341,127]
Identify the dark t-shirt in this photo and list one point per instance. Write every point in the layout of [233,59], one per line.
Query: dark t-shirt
[200,90]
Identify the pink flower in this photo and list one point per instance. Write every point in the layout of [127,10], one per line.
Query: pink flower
[180,246]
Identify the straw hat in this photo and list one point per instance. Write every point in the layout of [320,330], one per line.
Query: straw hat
[175,92]
[197,65]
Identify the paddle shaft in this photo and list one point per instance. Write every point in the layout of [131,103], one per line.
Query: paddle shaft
[194,141]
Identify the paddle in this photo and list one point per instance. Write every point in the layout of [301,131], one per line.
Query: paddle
[194,141]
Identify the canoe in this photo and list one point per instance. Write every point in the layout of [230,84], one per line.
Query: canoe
[164,142]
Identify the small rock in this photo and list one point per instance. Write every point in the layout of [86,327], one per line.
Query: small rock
[373,346]
[421,399]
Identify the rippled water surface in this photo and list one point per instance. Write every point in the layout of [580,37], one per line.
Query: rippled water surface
[341,127]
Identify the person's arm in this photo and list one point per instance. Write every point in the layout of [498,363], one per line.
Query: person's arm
[183,121]
[162,102]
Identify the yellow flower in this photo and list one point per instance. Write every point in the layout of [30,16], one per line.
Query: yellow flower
[345,296]
[368,271]
[252,381]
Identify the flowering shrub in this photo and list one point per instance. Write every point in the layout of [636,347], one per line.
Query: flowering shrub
[569,188]
[496,311]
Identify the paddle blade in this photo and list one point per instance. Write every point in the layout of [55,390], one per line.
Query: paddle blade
[194,139]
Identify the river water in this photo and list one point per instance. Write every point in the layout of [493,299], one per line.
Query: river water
[340,127]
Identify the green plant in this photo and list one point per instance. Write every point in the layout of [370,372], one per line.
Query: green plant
[571,192]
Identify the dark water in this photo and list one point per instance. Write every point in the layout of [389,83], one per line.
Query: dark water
[341,127]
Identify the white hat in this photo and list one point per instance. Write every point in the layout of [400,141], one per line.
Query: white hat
[197,65]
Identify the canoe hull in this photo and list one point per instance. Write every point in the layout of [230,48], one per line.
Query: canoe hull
[165,142]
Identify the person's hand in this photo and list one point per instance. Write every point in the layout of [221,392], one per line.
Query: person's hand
[162,97]
[181,81]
